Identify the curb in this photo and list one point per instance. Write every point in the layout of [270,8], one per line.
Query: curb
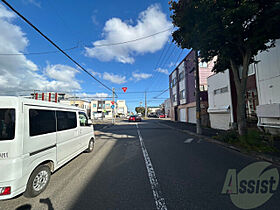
[255,155]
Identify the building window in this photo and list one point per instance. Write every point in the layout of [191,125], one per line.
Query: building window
[174,81]
[107,104]
[221,90]
[174,98]
[181,76]
[224,90]
[94,105]
[99,105]
[203,64]
[182,94]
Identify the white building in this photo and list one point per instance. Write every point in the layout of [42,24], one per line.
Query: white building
[103,108]
[220,101]
[268,84]
[121,108]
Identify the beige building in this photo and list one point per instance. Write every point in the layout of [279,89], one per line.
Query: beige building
[103,108]
[83,104]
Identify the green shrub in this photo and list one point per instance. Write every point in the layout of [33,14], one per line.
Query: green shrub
[253,141]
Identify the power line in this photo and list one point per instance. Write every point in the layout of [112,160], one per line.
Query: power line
[134,40]
[161,93]
[34,27]
[75,47]
[40,53]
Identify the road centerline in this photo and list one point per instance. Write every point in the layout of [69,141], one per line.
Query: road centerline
[159,200]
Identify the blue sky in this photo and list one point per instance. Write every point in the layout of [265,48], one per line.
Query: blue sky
[86,24]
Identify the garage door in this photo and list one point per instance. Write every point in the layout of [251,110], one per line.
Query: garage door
[182,117]
[220,120]
[192,115]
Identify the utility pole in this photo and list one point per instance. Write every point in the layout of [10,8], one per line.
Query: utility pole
[197,95]
[113,109]
[146,111]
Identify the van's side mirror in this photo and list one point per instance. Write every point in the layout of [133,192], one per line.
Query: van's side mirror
[89,122]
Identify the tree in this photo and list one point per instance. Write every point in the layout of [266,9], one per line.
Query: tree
[233,30]
[140,110]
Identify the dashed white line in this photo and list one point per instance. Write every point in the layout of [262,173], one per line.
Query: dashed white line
[188,140]
[159,200]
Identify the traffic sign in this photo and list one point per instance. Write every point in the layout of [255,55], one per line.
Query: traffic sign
[112,102]
[124,89]
[113,106]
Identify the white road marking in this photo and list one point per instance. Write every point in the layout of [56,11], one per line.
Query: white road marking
[188,140]
[159,200]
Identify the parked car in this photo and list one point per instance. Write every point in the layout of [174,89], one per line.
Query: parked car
[134,118]
[36,139]
[152,115]
[161,116]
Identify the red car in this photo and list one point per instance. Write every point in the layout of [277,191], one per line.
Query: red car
[161,116]
[134,118]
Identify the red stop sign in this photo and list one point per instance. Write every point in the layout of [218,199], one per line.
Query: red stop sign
[112,102]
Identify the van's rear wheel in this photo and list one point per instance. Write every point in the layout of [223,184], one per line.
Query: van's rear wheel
[90,146]
[38,181]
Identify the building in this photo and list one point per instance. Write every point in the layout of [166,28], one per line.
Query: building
[83,104]
[121,108]
[103,108]
[156,110]
[182,90]
[48,96]
[222,100]
[167,107]
[268,85]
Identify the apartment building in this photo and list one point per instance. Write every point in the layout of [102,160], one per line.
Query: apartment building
[182,90]
[74,101]
[103,108]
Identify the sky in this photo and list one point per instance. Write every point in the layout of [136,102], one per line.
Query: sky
[91,33]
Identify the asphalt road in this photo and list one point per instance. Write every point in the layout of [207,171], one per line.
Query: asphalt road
[144,166]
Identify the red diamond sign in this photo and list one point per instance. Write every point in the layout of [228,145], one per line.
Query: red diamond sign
[124,89]
[112,102]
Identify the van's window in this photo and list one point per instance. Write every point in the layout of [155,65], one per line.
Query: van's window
[41,122]
[66,120]
[83,119]
[7,124]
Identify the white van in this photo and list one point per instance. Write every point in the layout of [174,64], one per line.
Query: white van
[37,138]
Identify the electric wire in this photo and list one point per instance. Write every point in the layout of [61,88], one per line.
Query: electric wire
[48,39]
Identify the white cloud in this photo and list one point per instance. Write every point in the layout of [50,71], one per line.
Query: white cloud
[34,2]
[172,64]
[163,71]
[114,78]
[149,22]
[140,76]
[18,73]
[94,73]
[93,96]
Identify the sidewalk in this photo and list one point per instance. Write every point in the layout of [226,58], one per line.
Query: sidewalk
[209,132]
